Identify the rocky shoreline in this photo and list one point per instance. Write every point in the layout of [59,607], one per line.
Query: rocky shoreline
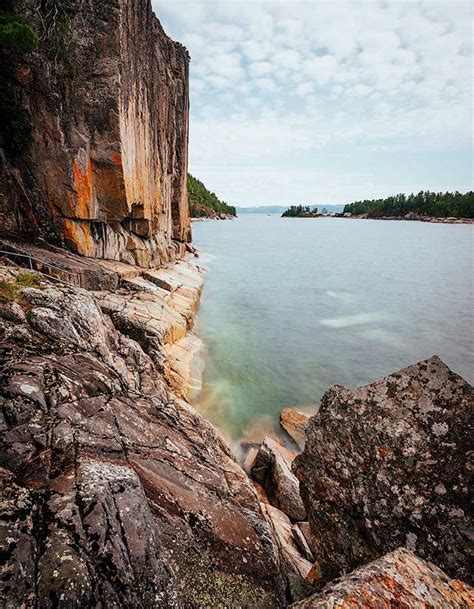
[412,217]
[116,491]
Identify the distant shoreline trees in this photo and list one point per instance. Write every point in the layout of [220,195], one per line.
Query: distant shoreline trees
[300,211]
[425,203]
[203,203]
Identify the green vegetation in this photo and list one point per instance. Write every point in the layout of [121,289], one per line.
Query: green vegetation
[425,203]
[17,40]
[300,211]
[205,204]
[10,291]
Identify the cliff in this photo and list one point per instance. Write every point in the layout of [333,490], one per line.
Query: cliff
[106,96]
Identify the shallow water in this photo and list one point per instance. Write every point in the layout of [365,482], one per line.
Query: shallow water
[291,306]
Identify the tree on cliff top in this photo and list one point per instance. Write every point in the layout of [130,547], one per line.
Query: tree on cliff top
[17,39]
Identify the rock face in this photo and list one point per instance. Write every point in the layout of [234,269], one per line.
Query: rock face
[400,580]
[106,172]
[385,466]
[272,469]
[114,493]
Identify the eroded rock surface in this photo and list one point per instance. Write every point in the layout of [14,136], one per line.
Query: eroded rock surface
[115,493]
[386,465]
[106,95]
[399,579]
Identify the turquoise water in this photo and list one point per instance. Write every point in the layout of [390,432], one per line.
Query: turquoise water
[291,306]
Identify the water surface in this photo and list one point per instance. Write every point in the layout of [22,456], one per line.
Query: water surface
[292,305]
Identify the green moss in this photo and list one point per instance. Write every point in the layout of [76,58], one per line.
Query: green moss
[10,291]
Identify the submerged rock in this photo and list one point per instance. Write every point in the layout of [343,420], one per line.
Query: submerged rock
[400,580]
[385,466]
[272,469]
[294,422]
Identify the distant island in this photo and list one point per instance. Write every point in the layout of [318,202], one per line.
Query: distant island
[279,209]
[205,204]
[424,205]
[305,211]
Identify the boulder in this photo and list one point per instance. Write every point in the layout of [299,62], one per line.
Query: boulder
[272,469]
[399,579]
[294,422]
[385,465]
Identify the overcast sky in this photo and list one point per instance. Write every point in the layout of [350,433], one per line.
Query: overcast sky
[310,102]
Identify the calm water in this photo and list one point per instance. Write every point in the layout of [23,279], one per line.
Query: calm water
[291,306]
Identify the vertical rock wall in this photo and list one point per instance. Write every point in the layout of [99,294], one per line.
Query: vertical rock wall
[105,175]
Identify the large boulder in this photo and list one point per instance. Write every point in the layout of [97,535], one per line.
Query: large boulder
[272,469]
[399,579]
[385,465]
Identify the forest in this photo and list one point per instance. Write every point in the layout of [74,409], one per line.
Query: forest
[203,203]
[425,203]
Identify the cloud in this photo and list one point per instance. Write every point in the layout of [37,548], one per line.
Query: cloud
[295,88]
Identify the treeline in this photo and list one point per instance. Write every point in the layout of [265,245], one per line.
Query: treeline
[299,211]
[203,203]
[425,203]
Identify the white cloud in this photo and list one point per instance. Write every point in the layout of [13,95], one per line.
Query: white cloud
[278,84]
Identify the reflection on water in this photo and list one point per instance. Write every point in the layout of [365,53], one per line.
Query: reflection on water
[291,306]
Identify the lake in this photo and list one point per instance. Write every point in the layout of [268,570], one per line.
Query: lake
[291,306]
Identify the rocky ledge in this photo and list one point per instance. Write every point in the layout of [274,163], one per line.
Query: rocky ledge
[115,492]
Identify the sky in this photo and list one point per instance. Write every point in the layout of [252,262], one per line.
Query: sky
[326,101]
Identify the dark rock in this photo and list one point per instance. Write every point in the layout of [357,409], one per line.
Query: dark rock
[116,493]
[272,469]
[399,579]
[385,466]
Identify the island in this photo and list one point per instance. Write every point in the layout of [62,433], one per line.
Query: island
[426,206]
[305,211]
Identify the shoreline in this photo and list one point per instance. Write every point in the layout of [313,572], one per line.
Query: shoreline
[427,219]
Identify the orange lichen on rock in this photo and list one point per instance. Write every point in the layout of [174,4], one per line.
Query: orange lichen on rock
[78,236]
[83,182]
[399,579]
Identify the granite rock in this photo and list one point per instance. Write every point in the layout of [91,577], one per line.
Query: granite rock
[399,579]
[386,465]
[106,93]
[114,492]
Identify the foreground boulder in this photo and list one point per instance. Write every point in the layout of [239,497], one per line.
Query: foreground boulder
[400,580]
[385,466]
[113,492]
[272,469]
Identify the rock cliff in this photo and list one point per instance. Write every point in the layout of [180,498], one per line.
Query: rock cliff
[106,93]
[386,465]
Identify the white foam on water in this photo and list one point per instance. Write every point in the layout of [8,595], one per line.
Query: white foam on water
[345,321]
